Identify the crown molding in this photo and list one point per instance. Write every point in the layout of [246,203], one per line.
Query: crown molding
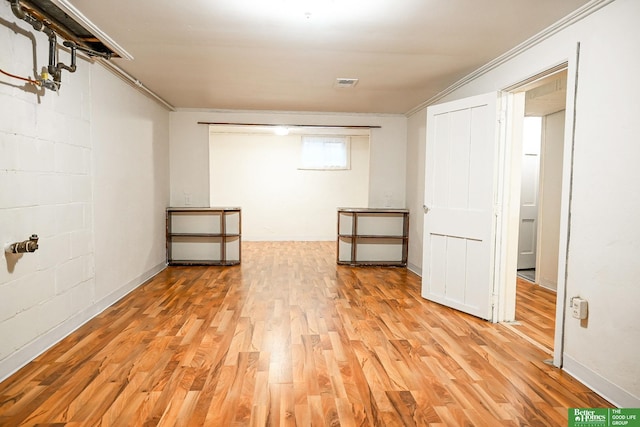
[572,18]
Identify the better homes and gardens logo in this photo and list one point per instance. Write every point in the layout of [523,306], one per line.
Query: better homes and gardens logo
[597,417]
[603,417]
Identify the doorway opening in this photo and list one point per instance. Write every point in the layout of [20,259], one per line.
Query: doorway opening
[472,198]
[541,148]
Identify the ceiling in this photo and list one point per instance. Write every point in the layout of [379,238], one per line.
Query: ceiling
[287,54]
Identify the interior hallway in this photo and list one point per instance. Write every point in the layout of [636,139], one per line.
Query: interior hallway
[535,313]
[289,338]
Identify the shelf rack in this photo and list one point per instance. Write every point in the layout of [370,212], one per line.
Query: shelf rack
[373,236]
[203,235]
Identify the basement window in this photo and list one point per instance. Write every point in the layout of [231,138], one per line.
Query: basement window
[325,152]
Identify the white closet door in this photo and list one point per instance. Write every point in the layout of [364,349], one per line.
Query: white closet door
[459,222]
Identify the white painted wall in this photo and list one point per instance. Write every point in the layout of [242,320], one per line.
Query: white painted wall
[190,150]
[605,236]
[130,137]
[259,172]
[65,169]
[550,198]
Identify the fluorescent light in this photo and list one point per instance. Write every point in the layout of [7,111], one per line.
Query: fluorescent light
[281,130]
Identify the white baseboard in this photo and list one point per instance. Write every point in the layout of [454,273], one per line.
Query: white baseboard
[613,393]
[548,284]
[26,354]
[120,293]
[414,269]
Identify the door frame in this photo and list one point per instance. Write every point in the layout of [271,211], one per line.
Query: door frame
[509,178]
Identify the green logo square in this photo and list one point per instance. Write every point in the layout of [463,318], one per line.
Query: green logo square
[603,417]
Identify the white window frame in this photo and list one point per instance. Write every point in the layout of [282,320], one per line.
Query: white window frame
[317,152]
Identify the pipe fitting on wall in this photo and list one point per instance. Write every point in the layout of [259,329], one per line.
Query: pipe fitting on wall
[52,78]
[25,246]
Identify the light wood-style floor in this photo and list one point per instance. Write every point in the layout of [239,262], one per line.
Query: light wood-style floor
[289,338]
[535,313]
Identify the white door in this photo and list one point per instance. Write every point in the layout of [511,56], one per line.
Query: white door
[528,229]
[459,221]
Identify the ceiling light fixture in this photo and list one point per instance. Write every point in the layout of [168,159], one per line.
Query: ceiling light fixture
[308,8]
[281,130]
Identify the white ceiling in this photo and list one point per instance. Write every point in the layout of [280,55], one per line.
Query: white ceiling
[286,54]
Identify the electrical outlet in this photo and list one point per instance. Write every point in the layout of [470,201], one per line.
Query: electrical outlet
[579,308]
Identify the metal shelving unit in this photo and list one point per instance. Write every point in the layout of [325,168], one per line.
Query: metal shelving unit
[203,236]
[372,236]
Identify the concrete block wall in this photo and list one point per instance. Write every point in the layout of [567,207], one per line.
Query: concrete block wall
[53,176]
[45,188]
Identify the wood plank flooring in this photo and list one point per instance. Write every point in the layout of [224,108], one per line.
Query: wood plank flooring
[289,339]
[535,313]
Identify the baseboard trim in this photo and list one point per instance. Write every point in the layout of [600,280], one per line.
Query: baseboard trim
[605,388]
[549,285]
[16,361]
[123,291]
[414,269]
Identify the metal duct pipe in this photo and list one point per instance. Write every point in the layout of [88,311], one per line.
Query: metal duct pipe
[54,67]
[53,53]
[70,68]
[40,26]
[89,52]
[19,13]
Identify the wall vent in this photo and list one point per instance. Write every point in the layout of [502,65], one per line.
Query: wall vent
[345,82]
